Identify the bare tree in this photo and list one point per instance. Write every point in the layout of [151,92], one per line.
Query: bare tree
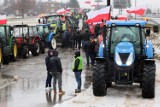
[24,6]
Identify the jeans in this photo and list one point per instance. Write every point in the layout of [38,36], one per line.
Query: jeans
[78,79]
[48,80]
[91,56]
[57,77]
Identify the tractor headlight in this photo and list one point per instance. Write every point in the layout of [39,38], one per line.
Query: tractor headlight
[102,45]
[130,59]
[118,59]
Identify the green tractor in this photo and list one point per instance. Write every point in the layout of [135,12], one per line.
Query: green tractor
[8,45]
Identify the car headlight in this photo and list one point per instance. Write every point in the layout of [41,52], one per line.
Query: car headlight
[118,59]
[130,59]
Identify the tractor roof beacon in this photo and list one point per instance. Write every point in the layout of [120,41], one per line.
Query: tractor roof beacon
[125,56]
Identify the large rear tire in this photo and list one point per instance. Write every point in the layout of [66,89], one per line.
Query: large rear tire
[0,57]
[148,80]
[25,52]
[99,84]
[36,50]
[42,48]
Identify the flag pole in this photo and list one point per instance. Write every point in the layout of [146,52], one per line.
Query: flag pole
[135,6]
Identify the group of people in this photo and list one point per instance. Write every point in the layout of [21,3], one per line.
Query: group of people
[54,70]
[71,39]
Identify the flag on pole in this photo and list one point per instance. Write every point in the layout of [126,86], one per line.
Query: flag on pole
[99,15]
[93,5]
[63,11]
[122,17]
[137,10]
[87,2]
[3,19]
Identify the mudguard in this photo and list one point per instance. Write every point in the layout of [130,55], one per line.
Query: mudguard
[124,50]
[149,50]
[100,50]
[50,36]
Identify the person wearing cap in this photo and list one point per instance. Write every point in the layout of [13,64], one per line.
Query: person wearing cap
[48,67]
[56,72]
[77,67]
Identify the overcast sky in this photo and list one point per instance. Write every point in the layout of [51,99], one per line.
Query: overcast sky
[150,3]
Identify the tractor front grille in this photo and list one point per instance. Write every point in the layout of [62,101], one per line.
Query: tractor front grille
[124,57]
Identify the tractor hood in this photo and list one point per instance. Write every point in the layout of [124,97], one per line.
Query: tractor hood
[124,54]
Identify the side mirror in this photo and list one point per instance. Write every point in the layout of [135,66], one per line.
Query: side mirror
[155,29]
[148,32]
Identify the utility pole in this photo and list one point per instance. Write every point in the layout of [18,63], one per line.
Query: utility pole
[135,6]
[108,2]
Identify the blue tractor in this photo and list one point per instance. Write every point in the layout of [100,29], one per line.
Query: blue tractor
[47,36]
[125,56]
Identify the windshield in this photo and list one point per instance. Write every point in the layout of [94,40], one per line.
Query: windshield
[125,34]
[2,32]
[40,28]
[18,31]
[43,29]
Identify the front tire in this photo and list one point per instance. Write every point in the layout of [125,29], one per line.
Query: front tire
[99,84]
[148,80]
[53,43]
[36,50]
[14,51]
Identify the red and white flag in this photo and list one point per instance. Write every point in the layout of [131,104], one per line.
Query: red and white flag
[98,15]
[137,10]
[93,5]
[63,11]
[87,2]
[122,17]
[3,19]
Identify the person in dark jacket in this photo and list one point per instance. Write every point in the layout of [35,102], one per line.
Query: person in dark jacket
[48,67]
[65,38]
[78,40]
[86,36]
[89,49]
[56,72]
[77,69]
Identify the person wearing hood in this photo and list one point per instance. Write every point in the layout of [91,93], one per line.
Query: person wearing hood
[77,67]
[56,72]
[48,67]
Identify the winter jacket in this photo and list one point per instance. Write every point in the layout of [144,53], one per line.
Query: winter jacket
[48,63]
[77,64]
[56,64]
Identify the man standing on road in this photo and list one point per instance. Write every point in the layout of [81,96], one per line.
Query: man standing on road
[77,69]
[48,67]
[56,72]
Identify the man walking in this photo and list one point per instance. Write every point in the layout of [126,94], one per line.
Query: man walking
[77,69]
[56,72]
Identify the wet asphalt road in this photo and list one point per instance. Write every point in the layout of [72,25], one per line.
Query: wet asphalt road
[29,90]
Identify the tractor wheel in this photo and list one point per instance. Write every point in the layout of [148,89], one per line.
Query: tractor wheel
[148,80]
[14,51]
[42,48]
[36,50]
[99,84]
[0,56]
[6,55]
[25,52]
[53,43]
[6,60]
